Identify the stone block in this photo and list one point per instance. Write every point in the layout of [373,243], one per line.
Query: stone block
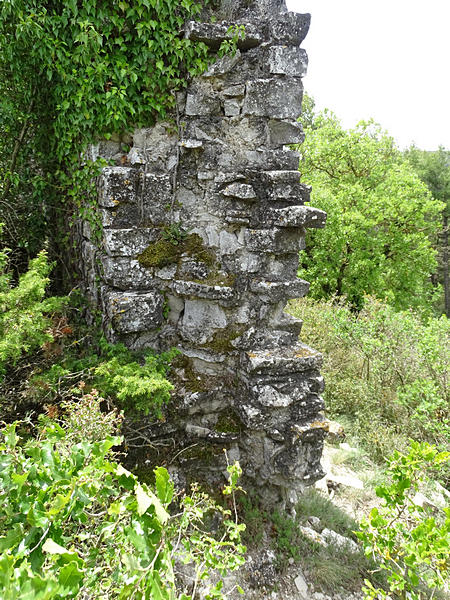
[289,360]
[283,132]
[285,186]
[117,184]
[285,160]
[192,289]
[280,290]
[276,98]
[234,91]
[202,100]
[242,191]
[291,29]
[126,274]
[156,145]
[232,107]
[132,312]
[156,198]
[201,319]
[128,242]
[213,34]
[273,241]
[297,216]
[288,60]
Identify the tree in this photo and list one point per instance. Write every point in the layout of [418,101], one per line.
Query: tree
[434,169]
[380,217]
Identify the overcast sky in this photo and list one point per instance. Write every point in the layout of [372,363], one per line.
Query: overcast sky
[386,59]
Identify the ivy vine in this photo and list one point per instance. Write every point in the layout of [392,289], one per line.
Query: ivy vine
[73,72]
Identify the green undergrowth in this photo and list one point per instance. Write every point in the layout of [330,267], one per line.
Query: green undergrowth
[25,311]
[47,351]
[74,523]
[136,382]
[386,372]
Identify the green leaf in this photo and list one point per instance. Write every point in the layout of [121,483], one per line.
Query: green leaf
[164,485]
[147,499]
[71,576]
[51,547]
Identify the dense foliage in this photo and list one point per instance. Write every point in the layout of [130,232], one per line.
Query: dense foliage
[380,217]
[70,73]
[75,524]
[434,170]
[25,313]
[404,537]
[386,371]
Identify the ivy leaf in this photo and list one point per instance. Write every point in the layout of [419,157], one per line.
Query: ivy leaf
[147,499]
[70,576]
[164,485]
[52,547]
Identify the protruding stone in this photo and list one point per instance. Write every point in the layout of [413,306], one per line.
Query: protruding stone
[291,29]
[128,242]
[273,241]
[280,290]
[286,60]
[297,216]
[213,34]
[295,359]
[275,98]
[283,132]
[243,191]
[132,312]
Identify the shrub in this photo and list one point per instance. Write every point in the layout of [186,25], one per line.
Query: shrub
[403,537]
[25,313]
[137,382]
[386,372]
[75,524]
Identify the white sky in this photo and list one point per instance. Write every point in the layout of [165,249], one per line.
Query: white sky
[386,59]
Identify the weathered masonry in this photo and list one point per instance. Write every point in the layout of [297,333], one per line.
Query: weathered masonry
[202,225]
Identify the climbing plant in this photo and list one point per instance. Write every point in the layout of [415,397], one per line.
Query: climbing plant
[72,72]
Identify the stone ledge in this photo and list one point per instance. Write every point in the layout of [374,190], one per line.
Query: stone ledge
[213,34]
[280,290]
[291,29]
[201,290]
[282,361]
[297,216]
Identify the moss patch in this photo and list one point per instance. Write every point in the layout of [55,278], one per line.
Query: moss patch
[222,339]
[165,252]
[193,246]
[229,422]
[160,254]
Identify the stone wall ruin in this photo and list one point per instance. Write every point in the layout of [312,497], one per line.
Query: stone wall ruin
[201,232]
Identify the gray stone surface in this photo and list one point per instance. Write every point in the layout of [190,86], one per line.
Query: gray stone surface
[276,98]
[220,204]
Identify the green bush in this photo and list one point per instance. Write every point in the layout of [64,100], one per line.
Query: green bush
[137,382]
[410,544]
[75,524]
[25,313]
[386,372]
